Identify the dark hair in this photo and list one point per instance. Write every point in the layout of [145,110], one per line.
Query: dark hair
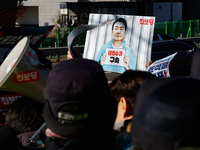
[127,84]
[24,115]
[120,20]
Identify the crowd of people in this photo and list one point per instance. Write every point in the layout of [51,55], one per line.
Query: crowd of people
[135,111]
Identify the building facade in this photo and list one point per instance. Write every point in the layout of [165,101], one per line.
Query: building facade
[72,12]
[41,12]
[48,12]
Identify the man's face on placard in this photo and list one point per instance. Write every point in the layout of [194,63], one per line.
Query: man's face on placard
[118,32]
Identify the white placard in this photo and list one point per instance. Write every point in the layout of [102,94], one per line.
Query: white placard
[115,56]
[137,40]
[160,68]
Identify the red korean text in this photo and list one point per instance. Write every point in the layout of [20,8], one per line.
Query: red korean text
[28,76]
[146,21]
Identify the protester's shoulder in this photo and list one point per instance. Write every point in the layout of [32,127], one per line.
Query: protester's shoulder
[124,141]
[7,132]
[8,139]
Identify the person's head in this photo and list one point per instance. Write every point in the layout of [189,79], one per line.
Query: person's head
[79,102]
[167,114]
[119,29]
[125,87]
[25,115]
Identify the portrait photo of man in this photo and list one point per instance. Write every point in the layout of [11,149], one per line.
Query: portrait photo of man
[120,42]
[116,55]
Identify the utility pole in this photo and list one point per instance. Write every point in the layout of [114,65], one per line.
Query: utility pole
[171,10]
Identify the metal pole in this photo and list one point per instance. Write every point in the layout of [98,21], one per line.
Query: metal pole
[190,33]
[197,27]
[145,7]
[171,10]
[136,7]
[58,36]
[173,29]
[67,14]
[166,27]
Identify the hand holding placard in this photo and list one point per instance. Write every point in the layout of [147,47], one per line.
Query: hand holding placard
[160,68]
[103,58]
[126,62]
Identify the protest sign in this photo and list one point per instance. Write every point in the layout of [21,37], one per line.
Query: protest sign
[160,68]
[9,37]
[115,56]
[136,37]
[7,98]
[82,29]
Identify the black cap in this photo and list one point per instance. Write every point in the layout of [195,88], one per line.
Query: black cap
[167,113]
[80,82]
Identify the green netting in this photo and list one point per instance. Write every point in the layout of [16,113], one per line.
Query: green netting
[195,28]
[49,42]
[64,39]
[183,29]
[159,27]
[79,39]
[177,29]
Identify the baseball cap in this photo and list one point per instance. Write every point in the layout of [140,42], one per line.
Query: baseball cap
[82,83]
[167,113]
